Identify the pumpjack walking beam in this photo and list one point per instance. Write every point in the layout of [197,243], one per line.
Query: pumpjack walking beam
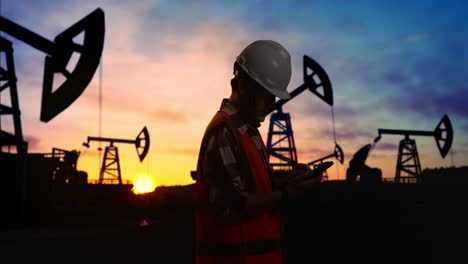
[59,53]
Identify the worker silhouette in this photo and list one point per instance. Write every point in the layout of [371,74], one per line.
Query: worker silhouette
[238,212]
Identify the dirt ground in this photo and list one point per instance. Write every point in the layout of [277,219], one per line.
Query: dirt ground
[340,224]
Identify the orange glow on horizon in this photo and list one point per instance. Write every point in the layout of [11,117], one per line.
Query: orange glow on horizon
[143,184]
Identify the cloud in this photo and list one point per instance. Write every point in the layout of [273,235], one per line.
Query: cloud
[377,155]
[353,134]
[168,116]
[452,102]
[343,134]
[395,78]
[430,83]
[34,143]
[93,151]
[183,151]
[313,153]
[171,62]
[386,146]
[464,125]
[433,104]
[417,37]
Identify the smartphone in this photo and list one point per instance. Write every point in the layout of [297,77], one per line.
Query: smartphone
[318,171]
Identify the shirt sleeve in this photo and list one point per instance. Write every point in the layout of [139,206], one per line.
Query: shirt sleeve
[222,172]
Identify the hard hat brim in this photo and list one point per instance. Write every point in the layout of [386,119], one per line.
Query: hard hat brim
[280,94]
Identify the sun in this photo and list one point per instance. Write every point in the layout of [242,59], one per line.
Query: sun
[143,184]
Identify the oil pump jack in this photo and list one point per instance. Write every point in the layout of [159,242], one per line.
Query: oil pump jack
[358,168]
[54,101]
[110,169]
[58,54]
[408,167]
[280,129]
[337,153]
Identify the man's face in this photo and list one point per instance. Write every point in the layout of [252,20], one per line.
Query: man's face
[257,100]
[264,102]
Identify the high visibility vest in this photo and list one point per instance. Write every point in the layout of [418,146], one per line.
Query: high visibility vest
[256,240]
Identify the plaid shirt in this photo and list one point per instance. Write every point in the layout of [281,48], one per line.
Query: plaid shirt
[221,161]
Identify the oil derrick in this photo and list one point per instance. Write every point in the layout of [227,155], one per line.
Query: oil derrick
[280,129]
[408,167]
[337,153]
[110,170]
[8,81]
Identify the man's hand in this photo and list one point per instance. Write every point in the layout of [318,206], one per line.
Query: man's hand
[300,182]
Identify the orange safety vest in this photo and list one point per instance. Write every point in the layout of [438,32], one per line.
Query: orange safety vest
[256,240]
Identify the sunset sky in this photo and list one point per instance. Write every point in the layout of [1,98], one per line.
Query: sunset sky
[167,65]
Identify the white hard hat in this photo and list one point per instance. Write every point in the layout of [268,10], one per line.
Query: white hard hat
[268,63]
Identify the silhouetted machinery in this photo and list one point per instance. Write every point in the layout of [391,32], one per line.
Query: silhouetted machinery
[66,170]
[58,57]
[280,130]
[337,153]
[408,167]
[30,174]
[359,170]
[59,53]
[110,169]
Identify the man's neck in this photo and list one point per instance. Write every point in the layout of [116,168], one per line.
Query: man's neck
[246,117]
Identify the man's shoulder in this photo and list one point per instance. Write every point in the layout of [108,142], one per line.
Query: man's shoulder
[221,130]
[220,121]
